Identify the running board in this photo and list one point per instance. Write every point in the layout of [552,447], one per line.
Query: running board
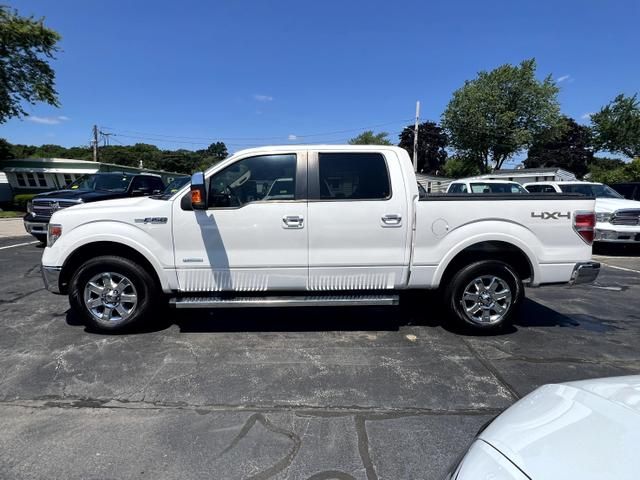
[284,301]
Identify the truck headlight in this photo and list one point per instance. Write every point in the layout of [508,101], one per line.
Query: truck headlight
[29,206]
[603,217]
[53,233]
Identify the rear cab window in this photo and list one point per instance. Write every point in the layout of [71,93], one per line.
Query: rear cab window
[353,176]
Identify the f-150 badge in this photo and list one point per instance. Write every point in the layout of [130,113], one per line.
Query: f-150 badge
[156,220]
[550,215]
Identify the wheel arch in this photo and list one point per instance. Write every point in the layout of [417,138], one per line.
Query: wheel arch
[503,250]
[102,248]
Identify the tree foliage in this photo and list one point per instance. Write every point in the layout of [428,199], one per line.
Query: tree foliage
[616,126]
[180,161]
[26,47]
[501,112]
[457,167]
[609,170]
[369,138]
[432,144]
[569,148]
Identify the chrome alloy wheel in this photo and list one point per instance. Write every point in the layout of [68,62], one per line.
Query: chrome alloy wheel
[110,297]
[486,300]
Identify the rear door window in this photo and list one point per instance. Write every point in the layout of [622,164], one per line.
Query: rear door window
[353,176]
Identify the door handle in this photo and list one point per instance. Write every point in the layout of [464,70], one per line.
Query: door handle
[292,221]
[391,220]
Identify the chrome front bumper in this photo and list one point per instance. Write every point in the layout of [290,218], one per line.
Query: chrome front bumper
[36,228]
[585,272]
[51,278]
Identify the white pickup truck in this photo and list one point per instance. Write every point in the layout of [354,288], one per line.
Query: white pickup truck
[617,219]
[345,225]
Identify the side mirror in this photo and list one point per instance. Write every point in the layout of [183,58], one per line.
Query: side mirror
[198,191]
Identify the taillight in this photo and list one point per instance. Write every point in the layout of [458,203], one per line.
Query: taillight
[584,224]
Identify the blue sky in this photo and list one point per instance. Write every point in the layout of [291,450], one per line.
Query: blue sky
[261,72]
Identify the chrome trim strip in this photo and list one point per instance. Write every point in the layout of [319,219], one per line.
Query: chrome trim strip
[282,301]
[51,278]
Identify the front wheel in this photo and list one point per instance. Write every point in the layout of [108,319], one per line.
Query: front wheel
[484,295]
[111,293]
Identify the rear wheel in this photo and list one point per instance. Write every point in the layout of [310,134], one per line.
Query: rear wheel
[484,295]
[111,293]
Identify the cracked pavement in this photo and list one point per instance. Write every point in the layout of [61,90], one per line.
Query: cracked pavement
[335,393]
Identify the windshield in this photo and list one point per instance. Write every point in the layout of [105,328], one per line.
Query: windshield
[110,182]
[176,185]
[591,189]
[478,187]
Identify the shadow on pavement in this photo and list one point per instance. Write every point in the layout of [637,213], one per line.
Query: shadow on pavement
[412,311]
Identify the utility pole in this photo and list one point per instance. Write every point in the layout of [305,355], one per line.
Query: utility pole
[415,138]
[95,143]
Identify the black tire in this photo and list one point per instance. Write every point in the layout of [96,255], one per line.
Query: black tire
[142,286]
[41,238]
[477,313]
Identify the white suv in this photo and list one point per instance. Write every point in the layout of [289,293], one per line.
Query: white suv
[618,219]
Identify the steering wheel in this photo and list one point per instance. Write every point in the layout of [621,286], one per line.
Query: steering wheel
[234,198]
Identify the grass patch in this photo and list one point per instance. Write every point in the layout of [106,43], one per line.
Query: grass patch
[11,214]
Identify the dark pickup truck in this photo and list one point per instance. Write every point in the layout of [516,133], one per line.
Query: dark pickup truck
[88,188]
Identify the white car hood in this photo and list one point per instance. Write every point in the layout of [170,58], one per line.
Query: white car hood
[610,205]
[580,430]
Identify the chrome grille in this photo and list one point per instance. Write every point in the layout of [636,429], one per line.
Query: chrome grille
[45,208]
[626,217]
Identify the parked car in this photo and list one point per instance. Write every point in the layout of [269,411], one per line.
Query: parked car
[88,188]
[351,231]
[618,219]
[583,430]
[484,186]
[629,190]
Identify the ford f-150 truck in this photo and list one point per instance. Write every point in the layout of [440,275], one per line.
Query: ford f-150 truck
[345,226]
[617,219]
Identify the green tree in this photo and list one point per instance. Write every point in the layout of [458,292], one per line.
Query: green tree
[26,46]
[214,153]
[458,167]
[609,170]
[432,144]
[569,149]
[616,126]
[6,150]
[369,138]
[501,112]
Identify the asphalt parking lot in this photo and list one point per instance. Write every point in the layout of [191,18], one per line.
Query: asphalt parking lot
[386,393]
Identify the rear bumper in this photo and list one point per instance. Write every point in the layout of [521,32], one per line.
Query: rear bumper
[585,272]
[51,278]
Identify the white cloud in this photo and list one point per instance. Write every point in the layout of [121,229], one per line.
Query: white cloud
[263,98]
[292,137]
[47,120]
[584,116]
[563,78]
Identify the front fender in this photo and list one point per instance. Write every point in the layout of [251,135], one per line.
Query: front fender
[154,242]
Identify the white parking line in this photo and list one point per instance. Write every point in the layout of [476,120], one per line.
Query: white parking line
[620,268]
[19,245]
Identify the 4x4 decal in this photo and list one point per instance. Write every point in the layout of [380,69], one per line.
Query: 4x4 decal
[550,215]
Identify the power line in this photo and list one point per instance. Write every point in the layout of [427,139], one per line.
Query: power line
[210,139]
